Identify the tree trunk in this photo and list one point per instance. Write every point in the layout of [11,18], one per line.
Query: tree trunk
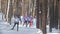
[0,5]
[59,16]
[56,15]
[44,15]
[8,10]
[37,10]
[51,13]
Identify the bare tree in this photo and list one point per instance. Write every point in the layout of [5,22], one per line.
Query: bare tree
[0,5]
[8,10]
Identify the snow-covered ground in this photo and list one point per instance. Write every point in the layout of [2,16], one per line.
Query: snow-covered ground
[54,31]
[5,29]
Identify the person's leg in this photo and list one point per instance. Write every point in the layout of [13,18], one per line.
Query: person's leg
[23,23]
[29,24]
[17,26]
[26,23]
[13,26]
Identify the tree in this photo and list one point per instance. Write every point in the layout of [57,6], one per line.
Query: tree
[8,10]
[4,7]
[42,11]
